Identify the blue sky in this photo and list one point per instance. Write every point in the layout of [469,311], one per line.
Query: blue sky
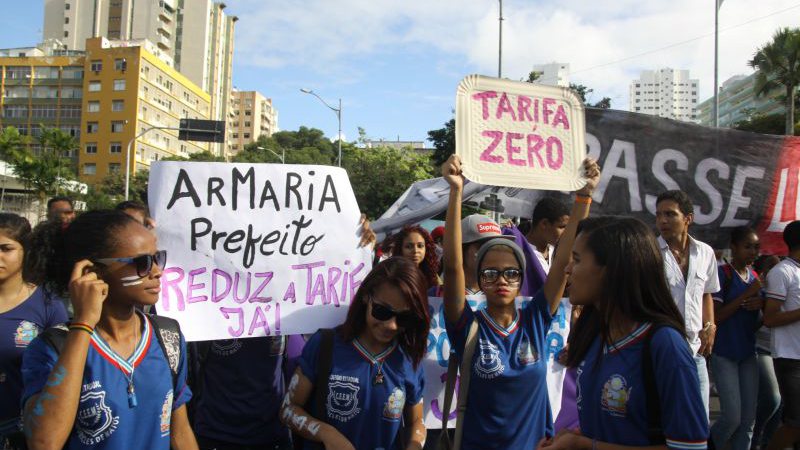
[396,63]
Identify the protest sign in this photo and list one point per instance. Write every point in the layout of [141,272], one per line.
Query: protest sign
[256,249]
[438,351]
[733,177]
[510,133]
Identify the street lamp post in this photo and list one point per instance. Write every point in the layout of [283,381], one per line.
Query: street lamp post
[282,156]
[337,111]
[128,155]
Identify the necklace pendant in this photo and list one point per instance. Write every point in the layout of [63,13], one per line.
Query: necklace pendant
[378,379]
[132,401]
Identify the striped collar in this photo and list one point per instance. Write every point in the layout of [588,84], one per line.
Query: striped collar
[125,365]
[628,340]
[374,359]
[502,331]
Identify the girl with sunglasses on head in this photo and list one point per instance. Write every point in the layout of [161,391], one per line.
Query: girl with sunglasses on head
[117,380]
[507,405]
[25,310]
[415,243]
[637,380]
[375,382]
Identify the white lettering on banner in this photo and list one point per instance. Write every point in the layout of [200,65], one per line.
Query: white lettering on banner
[438,352]
[256,249]
[776,224]
[626,151]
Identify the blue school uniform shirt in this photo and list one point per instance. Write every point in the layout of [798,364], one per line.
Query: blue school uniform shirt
[367,414]
[611,392]
[736,336]
[508,406]
[18,328]
[104,419]
[244,386]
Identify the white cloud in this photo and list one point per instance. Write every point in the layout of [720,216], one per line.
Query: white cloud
[327,37]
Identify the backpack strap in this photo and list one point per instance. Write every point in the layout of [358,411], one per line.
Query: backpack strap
[168,335]
[453,368]
[655,432]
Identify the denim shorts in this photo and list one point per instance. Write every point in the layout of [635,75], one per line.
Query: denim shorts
[787,371]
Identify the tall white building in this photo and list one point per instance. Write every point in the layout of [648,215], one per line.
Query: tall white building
[553,74]
[195,37]
[665,93]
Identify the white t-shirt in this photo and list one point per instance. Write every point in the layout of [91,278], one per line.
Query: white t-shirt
[545,262]
[701,278]
[783,284]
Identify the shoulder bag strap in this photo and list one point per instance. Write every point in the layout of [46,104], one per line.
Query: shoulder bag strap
[463,388]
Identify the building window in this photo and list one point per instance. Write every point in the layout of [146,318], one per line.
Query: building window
[91,148]
[117,105]
[66,20]
[117,126]
[248,113]
[90,169]
[247,135]
[121,64]
[94,86]
[119,85]
[93,107]
[92,127]
[236,135]
[97,66]
[247,124]
[66,6]
[66,33]
[113,167]
[115,147]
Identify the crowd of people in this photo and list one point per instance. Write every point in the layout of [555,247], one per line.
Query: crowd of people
[656,320]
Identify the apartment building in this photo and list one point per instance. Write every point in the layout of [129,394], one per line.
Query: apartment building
[665,93]
[251,115]
[738,101]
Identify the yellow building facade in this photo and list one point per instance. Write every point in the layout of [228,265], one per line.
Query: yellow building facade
[129,93]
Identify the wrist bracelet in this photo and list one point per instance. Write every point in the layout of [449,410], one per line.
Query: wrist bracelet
[81,326]
[583,199]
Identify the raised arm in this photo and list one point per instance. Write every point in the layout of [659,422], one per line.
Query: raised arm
[454,299]
[556,278]
[50,415]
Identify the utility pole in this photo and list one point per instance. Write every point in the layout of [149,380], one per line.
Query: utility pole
[500,42]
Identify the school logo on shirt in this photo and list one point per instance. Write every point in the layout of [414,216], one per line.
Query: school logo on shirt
[488,365]
[95,421]
[166,414]
[26,332]
[615,396]
[343,397]
[393,409]
[526,353]
[226,347]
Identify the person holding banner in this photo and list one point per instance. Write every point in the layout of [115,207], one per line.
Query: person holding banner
[374,381]
[507,404]
[25,310]
[115,378]
[414,242]
[637,380]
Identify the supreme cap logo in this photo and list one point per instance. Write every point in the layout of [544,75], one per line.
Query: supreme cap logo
[488,228]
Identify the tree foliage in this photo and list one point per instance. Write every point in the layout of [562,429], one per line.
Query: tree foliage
[47,172]
[444,141]
[778,65]
[583,92]
[765,124]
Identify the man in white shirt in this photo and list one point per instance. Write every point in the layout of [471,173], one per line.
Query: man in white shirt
[691,271]
[782,315]
[548,222]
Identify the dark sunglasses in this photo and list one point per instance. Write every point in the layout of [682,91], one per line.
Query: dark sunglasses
[491,275]
[405,319]
[144,263]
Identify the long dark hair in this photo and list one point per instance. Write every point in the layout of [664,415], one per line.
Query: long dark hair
[17,228]
[634,285]
[54,250]
[429,265]
[403,274]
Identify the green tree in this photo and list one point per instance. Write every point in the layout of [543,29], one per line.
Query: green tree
[778,64]
[111,190]
[765,124]
[379,175]
[444,141]
[583,92]
[204,156]
[533,77]
[46,172]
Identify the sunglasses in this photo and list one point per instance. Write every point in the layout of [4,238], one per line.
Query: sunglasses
[405,319]
[144,263]
[491,275]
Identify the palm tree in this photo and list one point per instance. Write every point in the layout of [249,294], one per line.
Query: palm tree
[778,64]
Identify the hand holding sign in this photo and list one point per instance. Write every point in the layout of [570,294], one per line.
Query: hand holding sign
[591,170]
[526,135]
[451,172]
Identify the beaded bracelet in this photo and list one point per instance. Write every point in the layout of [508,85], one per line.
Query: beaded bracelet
[81,326]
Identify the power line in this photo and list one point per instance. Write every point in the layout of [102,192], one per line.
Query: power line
[684,42]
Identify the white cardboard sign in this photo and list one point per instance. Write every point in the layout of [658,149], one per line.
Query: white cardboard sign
[256,249]
[526,135]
